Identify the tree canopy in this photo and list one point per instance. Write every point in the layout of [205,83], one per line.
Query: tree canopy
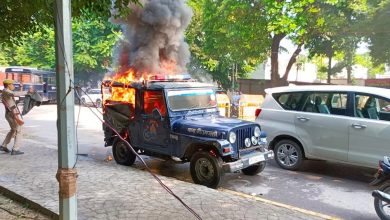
[227,36]
[20,17]
[93,42]
[338,33]
[378,34]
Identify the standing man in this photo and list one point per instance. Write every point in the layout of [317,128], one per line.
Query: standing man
[12,115]
[236,103]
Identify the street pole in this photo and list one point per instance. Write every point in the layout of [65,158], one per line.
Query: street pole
[66,174]
[233,71]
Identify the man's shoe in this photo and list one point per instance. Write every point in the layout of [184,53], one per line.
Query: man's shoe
[4,149]
[16,152]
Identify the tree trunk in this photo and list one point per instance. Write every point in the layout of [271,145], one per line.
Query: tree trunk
[349,63]
[349,73]
[291,62]
[329,67]
[275,77]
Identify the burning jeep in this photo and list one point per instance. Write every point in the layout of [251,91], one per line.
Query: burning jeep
[178,119]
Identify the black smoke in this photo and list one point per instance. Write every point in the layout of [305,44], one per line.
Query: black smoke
[154,35]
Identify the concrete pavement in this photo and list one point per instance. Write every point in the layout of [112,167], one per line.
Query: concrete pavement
[116,192]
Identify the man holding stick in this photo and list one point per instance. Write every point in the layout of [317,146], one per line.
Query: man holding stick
[12,115]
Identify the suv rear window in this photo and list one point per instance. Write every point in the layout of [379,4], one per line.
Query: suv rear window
[289,101]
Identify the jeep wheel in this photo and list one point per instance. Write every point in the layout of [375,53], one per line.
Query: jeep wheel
[254,169]
[206,169]
[288,154]
[122,153]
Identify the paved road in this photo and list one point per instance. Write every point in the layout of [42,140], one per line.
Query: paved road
[329,188]
[107,191]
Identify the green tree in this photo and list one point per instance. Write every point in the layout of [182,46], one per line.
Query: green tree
[319,61]
[338,34]
[227,37]
[36,49]
[366,61]
[291,19]
[376,30]
[20,17]
[93,40]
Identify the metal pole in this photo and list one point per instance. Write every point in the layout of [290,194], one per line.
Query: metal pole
[66,174]
[233,77]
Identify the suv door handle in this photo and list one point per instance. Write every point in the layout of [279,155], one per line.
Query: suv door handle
[359,126]
[301,118]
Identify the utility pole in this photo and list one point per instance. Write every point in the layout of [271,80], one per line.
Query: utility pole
[233,73]
[66,174]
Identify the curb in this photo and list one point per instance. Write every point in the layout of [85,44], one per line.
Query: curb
[33,205]
[304,211]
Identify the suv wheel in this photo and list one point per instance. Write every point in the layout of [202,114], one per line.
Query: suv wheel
[206,169]
[122,153]
[288,154]
[254,169]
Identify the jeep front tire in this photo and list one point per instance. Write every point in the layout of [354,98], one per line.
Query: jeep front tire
[122,153]
[254,169]
[206,169]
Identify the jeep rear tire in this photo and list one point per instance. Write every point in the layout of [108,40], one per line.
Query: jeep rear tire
[254,169]
[206,169]
[288,154]
[122,153]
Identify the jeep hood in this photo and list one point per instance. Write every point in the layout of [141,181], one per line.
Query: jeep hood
[211,126]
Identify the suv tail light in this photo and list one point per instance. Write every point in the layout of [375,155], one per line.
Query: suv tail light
[257,112]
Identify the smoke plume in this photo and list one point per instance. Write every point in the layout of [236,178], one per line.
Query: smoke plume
[154,37]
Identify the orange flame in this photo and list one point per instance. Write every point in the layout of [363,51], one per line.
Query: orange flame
[124,94]
[126,77]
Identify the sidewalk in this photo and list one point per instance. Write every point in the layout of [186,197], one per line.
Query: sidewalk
[109,191]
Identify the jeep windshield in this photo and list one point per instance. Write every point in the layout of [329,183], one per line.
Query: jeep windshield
[180,100]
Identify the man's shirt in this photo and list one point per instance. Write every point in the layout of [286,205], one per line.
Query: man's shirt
[8,100]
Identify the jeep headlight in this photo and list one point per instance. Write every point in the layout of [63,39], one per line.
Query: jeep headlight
[257,132]
[232,137]
[247,142]
[254,140]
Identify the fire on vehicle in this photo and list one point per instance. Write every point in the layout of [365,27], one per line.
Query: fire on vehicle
[175,117]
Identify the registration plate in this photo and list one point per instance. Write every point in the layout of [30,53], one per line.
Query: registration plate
[256,159]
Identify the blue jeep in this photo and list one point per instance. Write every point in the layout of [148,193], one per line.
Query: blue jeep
[179,120]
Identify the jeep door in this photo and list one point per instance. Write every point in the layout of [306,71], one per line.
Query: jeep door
[369,130]
[322,125]
[155,130]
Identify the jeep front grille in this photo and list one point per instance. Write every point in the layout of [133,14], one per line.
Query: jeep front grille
[243,133]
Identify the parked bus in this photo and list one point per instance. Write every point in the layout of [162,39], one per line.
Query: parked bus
[41,81]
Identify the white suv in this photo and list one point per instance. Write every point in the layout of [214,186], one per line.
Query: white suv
[348,124]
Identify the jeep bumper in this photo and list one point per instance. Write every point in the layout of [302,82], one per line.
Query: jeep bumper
[248,160]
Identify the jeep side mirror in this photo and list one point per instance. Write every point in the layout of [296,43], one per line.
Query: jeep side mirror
[156,114]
